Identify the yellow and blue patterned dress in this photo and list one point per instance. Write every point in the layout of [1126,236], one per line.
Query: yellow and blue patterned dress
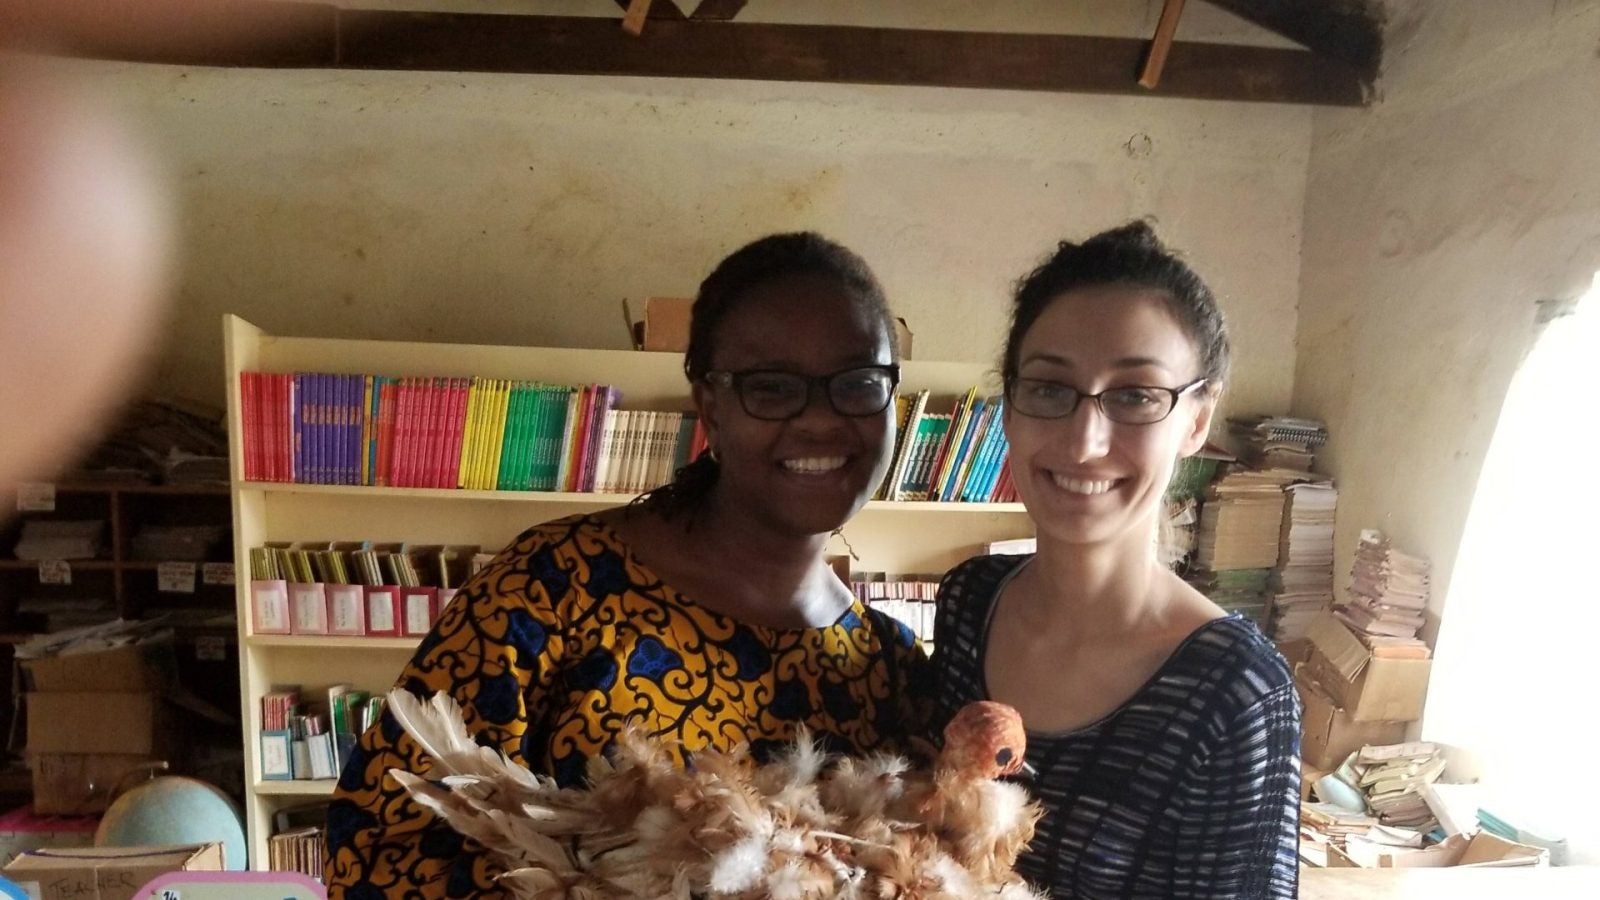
[559,642]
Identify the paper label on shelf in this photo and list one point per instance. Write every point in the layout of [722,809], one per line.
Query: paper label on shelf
[175,578]
[54,571]
[211,648]
[36,496]
[216,573]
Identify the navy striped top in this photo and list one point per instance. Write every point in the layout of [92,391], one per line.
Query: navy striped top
[1189,789]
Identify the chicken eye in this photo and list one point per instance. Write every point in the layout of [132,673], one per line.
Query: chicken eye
[1004,757]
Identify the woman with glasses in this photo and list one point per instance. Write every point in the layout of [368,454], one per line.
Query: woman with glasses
[705,611]
[1163,733]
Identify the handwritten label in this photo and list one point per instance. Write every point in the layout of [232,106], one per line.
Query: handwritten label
[211,648]
[175,578]
[216,573]
[54,571]
[380,612]
[271,605]
[36,496]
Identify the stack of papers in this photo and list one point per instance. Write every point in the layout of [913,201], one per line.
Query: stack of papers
[1393,778]
[1388,592]
[1302,583]
[1241,518]
[61,539]
[1242,591]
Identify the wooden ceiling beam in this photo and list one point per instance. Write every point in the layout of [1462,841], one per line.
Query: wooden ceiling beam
[336,38]
[718,10]
[1350,31]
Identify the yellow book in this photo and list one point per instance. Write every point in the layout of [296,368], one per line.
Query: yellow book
[469,441]
[367,426]
[497,430]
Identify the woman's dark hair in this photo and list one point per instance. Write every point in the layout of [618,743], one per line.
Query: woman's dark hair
[793,255]
[1130,255]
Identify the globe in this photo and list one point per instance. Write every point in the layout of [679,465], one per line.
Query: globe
[174,810]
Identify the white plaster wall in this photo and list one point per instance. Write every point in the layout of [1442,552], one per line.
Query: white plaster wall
[1434,221]
[499,208]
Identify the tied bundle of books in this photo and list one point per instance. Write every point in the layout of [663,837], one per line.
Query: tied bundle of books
[1392,778]
[1302,582]
[1241,518]
[1273,442]
[1388,593]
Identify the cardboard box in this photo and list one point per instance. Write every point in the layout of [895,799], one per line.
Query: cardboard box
[665,325]
[1296,651]
[902,334]
[132,668]
[1368,688]
[95,723]
[1328,734]
[1481,851]
[81,784]
[106,873]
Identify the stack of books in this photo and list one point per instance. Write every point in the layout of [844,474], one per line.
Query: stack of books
[1271,442]
[1302,582]
[1392,778]
[1240,520]
[959,456]
[1388,593]
[1242,591]
[1326,824]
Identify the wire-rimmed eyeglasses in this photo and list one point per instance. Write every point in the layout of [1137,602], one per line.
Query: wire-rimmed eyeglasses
[1131,405]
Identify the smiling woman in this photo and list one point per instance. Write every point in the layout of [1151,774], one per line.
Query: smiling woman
[1164,733]
[704,612]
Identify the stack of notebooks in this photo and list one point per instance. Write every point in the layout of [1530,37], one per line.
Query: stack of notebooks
[1391,777]
[1271,442]
[908,598]
[956,456]
[1241,519]
[1302,582]
[1388,593]
[471,433]
[1323,824]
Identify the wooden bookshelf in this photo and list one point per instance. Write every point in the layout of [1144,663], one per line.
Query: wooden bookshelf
[913,537]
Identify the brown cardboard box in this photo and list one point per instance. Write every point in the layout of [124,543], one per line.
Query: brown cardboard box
[94,723]
[81,784]
[665,326]
[106,873]
[1296,651]
[1369,688]
[1328,734]
[132,668]
[1481,850]
[902,335]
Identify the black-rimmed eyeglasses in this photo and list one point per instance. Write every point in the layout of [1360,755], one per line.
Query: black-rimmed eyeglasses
[1132,405]
[774,396]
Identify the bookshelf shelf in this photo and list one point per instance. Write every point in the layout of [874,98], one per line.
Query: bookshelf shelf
[315,787]
[594,500]
[900,537]
[333,641]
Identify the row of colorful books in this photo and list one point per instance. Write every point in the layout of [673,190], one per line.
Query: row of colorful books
[961,455]
[472,433]
[496,434]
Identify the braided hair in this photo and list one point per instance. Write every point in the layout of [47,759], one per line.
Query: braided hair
[762,261]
